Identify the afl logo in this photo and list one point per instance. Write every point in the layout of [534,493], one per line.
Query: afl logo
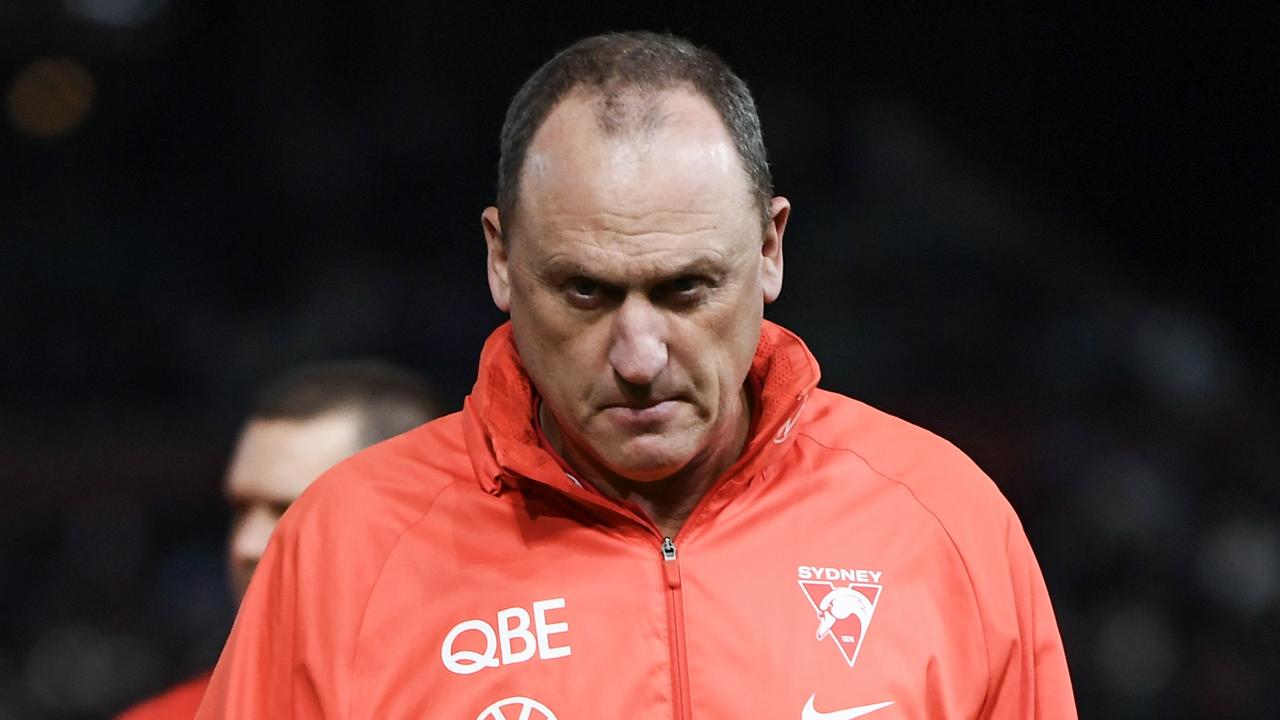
[516,708]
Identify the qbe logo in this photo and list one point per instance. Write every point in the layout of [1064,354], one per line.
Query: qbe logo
[515,636]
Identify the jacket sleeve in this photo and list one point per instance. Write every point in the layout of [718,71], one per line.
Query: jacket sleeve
[180,701]
[1027,664]
[261,673]
[292,647]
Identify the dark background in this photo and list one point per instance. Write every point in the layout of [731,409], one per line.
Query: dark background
[1047,233]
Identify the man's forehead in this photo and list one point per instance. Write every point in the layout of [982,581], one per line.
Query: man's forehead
[688,164]
[278,459]
[678,121]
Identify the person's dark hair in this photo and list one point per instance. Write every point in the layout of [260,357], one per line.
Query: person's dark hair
[389,398]
[616,63]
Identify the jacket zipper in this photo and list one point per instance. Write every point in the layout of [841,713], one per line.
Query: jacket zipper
[675,630]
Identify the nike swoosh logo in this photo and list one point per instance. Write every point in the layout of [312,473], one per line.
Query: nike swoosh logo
[847,714]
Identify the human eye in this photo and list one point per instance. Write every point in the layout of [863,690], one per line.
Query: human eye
[686,290]
[584,293]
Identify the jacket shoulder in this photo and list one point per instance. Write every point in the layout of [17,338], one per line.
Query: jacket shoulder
[385,487]
[180,701]
[941,478]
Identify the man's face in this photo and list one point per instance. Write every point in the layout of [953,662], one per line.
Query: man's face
[636,280]
[274,461]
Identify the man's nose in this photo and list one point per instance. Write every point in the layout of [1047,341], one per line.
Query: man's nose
[251,533]
[638,352]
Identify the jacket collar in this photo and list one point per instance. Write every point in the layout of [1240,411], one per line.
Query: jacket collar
[504,442]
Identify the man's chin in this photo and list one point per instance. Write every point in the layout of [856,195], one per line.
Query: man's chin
[642,464]
[639,456]
[646,474]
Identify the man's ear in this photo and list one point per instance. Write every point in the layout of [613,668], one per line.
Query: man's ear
[771,248]
[499,280]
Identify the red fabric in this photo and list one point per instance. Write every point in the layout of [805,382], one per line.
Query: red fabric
[848,559]
[177,703]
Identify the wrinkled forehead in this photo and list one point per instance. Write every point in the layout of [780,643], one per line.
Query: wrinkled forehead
[669,152]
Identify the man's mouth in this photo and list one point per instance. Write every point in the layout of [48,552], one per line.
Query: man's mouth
[643,414]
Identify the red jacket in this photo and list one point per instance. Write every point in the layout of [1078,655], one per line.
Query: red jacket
[848,564]
[177,703]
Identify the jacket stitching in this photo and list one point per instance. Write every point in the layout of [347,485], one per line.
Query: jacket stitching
[986,650]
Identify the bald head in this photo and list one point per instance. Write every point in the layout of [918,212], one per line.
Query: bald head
[623,74]
[582,139]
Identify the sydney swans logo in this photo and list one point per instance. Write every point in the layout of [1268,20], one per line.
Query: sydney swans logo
[844,601]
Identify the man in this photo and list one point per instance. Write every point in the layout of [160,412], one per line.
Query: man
[646,508]
[301,424]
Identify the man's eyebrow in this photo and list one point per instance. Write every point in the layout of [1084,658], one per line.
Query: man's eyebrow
[558,267]
[563,266]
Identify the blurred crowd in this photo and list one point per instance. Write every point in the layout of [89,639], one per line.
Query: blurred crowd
[196,197]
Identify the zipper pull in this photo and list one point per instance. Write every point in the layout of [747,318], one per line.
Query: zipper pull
[668,549]
[670,568]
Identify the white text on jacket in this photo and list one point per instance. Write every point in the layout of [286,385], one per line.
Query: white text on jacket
[812,572]
[512,641]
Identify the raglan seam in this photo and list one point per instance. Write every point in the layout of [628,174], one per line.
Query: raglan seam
[364,610]
[986,650]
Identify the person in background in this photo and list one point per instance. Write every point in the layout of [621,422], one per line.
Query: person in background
[301,424]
